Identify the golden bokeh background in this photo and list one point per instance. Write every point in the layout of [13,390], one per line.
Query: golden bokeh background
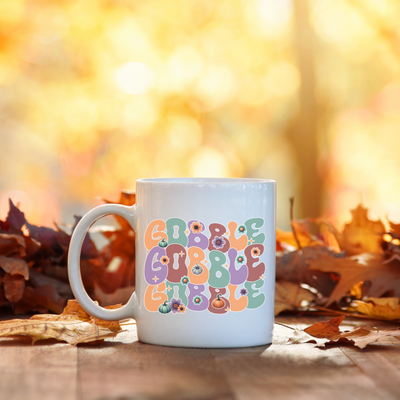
[95,94]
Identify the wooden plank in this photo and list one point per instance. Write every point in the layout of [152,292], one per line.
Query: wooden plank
[125,368]
[281,371]
[138,370]
[381,364]
[40,371]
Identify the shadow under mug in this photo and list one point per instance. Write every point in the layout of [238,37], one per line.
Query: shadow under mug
[205,261]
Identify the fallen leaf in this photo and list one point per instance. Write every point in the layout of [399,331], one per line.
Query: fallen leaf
[328,332]
[40,254]
[12,245]
[40,299]
[14,266]
[295,267]
[73,326]
[15,219]
[14,286]
[363,267]
[365,335]
[47,237]
[386,307]
[326,329]
[290,295]
[300,337]
[360,235]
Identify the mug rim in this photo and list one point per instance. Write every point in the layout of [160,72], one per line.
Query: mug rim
[204,181]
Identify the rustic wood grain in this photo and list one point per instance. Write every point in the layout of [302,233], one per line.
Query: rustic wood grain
[123,368]
[142,371]
[43,371]
[381,364]
[302,371]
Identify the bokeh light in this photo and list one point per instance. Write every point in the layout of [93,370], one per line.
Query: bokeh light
[96,94]
[134,77]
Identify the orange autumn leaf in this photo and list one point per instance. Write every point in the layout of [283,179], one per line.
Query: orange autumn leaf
[327,329]
[287,238]
[329,332]
[360,235]
[73,326]
[386,307]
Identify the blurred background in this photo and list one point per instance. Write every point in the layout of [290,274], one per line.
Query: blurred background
[95,94]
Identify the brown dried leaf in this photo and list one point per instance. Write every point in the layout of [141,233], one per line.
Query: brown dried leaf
[32,246]
[387,307]
[14,266]
[12,245]
[361,235]
[40,299]
[329,332]
[383,277]
[15,218]
[14,286]
[73,326]
[290,295]
[294,267]
[47,237]
[326,329]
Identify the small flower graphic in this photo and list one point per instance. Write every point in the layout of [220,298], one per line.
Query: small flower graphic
[242,229]
[243,292]
[197,300]
[185,280]
[181,308]
[196,227]
[175,303]
[164,260]
[256,252]
[197,269]
[218,242]
[240,259]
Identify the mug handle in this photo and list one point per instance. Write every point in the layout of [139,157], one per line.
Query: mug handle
[74,271]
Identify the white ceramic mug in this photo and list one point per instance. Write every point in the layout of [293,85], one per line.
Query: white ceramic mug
[205,261]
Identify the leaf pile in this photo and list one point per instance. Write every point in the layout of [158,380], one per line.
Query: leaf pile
[328,332]
[73,326]
[33,264]
[356,270]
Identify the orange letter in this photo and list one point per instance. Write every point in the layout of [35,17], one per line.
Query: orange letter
[153,301]
[150,239]
[238,244]
[237,304]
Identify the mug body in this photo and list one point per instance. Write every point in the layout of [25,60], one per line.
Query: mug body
[205,261]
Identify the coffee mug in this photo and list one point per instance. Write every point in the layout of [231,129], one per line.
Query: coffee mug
[205,261]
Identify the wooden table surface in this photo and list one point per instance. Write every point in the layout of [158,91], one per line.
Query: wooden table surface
[125,369]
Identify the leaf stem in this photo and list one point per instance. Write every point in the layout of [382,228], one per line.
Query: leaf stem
[292,224]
